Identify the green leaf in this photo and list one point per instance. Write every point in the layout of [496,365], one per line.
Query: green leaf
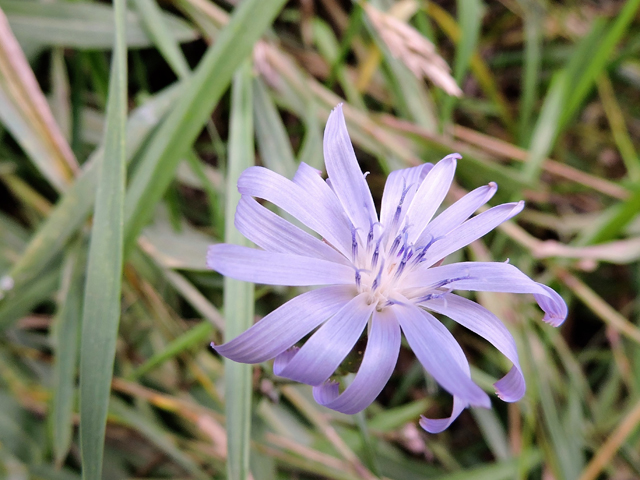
[238,295]
[159,31]
[273,141]
[101,312]
[66,332]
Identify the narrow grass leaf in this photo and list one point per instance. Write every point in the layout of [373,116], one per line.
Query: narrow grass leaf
[176,135]
[101,310]
[470,13]
[273,140]
[533,18]
[66,333]
[158,30]
[197,335]
[547,127]
[600,58]
[238,296]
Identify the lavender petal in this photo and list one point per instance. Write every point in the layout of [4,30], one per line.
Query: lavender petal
[270,268]
[490,277]
[329,223]
[275,234]
[326,349]
[478,319]
[345,173]
[471,230]
[437,425]
[380,356]
[439,353]
[286,325]
[429,196]
[457,213]
[399,182]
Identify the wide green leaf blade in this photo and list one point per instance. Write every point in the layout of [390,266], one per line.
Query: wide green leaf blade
[238,295]
[101,312]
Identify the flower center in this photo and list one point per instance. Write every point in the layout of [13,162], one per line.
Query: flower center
[381,261]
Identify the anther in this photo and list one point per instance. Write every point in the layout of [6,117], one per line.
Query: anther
[354,243]
[376,282]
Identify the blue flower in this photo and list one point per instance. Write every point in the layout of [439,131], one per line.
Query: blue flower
[384,273]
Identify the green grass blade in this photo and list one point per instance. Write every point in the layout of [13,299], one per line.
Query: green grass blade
[470,13]
[198,335]
[273,142]
[101,312]
[207,84]
[600,58]
[238,295]
[158,30]
[547,127]
[533,17]
[66,333]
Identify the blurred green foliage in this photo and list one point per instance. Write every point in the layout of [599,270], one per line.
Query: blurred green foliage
[549,110]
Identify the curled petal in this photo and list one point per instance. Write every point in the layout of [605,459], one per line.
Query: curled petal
[490,277]
[478,319]
[346,176]
[399,190]
[429,196]
[439,353]
[471,230]
[380,356]
[275,234]
[286,325]
[437,425]
[457,213]
[270,268]
[329,223]
[327,348]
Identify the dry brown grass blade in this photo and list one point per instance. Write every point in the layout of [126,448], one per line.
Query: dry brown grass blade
[413,49]
[27,115]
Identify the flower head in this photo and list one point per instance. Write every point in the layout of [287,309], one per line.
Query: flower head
[381,271]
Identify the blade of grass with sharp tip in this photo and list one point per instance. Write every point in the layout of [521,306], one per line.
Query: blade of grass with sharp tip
[101,312]
[178,132]
[66,332]
[238,295]
[273,141]
[157,29]
[25,112]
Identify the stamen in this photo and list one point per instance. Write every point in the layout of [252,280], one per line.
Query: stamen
[376,282]
[354,243]
[376,253]
[396,241]
[408,253]
[405,190]
[358,279]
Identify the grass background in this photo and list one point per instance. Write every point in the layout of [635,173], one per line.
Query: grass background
[122,129]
